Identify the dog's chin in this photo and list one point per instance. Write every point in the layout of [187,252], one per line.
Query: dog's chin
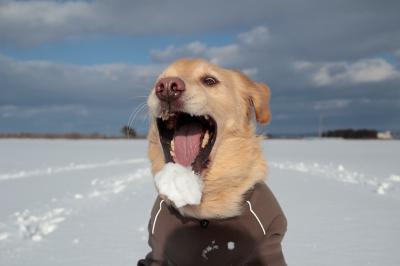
[187,139]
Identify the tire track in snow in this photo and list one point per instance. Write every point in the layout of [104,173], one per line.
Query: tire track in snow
[381,186]
[68,168]
[35,225]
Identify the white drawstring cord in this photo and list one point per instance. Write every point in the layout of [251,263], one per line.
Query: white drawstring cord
[255,215]
[155,218]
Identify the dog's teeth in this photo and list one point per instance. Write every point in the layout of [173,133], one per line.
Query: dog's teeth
[165,115]
[206,117]
[172,151]
[205,139]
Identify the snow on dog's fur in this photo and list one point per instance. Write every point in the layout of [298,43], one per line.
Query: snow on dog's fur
[236,162]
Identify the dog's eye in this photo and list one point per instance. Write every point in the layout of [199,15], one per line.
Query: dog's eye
[209,80]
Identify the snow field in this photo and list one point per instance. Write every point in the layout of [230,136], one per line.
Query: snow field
[88,202]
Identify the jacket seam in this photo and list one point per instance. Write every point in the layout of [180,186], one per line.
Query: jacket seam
[273,220]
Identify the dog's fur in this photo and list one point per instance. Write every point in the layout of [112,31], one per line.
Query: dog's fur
[236,161]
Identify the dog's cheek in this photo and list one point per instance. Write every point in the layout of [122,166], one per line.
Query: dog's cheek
[157,159]
[196,102]
[154,104]
[155,152]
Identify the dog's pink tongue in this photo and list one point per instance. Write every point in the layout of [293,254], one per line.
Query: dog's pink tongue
[187,143]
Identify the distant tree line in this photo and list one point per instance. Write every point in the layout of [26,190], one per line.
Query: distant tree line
[351,133]
[71,135]
[127,132]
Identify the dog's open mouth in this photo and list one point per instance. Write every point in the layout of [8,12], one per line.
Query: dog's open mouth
[187,139]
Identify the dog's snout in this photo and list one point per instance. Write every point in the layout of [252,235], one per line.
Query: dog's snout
[169,89]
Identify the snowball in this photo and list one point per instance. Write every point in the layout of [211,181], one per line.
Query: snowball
[179,184]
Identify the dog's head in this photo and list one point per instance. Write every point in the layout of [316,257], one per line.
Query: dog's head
[202,117]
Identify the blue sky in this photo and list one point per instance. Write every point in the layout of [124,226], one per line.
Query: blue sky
[86,65]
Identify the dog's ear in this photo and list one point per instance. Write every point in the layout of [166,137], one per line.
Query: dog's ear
[259,98]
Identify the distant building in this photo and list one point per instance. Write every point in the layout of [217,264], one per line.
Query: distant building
[385,135]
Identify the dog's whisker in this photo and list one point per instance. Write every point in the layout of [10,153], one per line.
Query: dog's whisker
[143,119]
[139,110]
[133,114]
[134,118]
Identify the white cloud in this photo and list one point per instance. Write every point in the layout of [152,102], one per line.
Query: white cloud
[226,55]
[250,71]
[299,35]
[332,104]
[41,81]
[13,111]
[302,65]
[255,37]
[33,22]
[372,70]
[171,53]
[361,71]
[30,23]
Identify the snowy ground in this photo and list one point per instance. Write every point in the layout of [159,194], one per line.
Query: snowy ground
[88,202]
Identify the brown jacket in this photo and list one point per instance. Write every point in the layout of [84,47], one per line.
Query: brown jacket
[253,238]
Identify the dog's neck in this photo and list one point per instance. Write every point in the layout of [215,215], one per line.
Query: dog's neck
[221,200]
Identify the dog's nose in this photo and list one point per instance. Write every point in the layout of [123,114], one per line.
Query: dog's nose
[169,89]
